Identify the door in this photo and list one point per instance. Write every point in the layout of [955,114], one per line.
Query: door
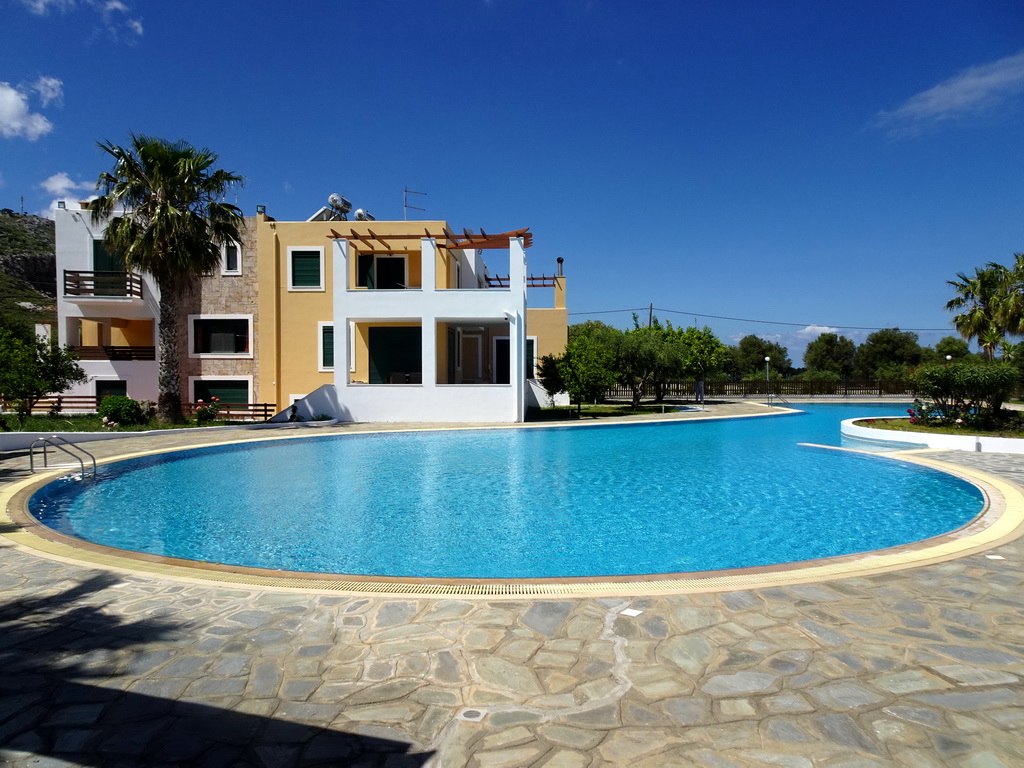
[395,353]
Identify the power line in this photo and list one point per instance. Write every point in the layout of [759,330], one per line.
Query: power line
[762,322]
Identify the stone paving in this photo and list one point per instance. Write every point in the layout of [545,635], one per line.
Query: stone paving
[920,667]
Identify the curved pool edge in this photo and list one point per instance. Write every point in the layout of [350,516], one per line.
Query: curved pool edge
[978,443]
[1002,519]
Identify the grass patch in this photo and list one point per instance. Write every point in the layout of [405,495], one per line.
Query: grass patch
[90,423]
[904,425]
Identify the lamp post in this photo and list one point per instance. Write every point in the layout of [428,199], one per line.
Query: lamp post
[767,382]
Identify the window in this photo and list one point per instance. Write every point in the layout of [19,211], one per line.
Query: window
[219,335]
[326,347]
[306,269]
[231,259]
[229,390]
[382,272]
[109,387]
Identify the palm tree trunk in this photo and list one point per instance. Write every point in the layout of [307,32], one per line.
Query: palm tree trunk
[168,406]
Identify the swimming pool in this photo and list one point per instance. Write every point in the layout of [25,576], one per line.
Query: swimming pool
[520,503]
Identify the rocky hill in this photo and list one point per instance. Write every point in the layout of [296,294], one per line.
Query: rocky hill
[27,250]
[28,271]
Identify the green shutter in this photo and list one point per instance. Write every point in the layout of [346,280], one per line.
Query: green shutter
[365,278]
[528,364]
[306,269]
[327,345]
[233,392]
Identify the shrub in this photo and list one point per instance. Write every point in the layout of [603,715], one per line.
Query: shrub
[207,412]
[974,393]
[122,410]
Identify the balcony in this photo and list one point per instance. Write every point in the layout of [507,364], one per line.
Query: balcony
[115,353]
[106,285]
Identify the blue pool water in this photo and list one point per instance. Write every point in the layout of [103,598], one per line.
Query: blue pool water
[561,502]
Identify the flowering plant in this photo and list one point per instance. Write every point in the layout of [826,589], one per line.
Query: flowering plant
[206,412]
[109,424]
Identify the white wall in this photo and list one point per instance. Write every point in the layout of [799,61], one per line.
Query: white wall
[977,443]
[429,401]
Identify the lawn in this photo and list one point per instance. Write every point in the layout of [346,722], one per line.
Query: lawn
[904,425]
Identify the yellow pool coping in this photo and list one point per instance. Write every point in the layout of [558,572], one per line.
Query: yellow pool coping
[1001,520]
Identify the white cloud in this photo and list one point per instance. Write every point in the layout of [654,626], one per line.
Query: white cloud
[115,15]
[50,89]
[60,184]
[811,332]
[972,91]
[16,119]
[42,7]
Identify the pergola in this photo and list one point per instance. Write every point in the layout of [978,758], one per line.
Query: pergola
[370,240]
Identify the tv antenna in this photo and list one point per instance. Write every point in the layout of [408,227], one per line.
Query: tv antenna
[405,203]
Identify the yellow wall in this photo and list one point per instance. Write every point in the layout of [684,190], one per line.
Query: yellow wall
[551,327]
[92,333]
[131,333]
[289,330]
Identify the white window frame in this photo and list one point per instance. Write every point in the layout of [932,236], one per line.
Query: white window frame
[193,379]
[320,346]
[219,355]
[224,258]
[323,286]
[351,346]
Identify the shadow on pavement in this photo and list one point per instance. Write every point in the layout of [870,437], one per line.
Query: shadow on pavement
[51,649]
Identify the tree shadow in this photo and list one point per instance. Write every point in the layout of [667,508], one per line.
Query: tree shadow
[56,652]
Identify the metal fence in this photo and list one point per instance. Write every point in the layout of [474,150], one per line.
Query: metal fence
[779,387]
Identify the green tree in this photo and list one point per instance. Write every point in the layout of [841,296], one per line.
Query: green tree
[704,353]
[173,226]
[832,353]
[750,353]
[888,353]
[638,359]
[981,305]
[952,347]
[586,369]
[32,369]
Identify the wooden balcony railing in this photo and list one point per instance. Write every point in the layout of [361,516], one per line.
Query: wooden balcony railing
[115,353]
[114,284]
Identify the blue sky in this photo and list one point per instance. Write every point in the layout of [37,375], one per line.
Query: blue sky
[824,165]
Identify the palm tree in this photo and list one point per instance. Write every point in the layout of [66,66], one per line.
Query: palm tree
[980,299]
[172,226]
[1011,303]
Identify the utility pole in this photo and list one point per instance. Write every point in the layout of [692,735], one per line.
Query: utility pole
[405,203]
[650,315]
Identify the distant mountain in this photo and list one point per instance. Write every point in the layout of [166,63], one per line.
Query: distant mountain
[28,270]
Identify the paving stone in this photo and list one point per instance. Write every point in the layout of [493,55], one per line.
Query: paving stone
[546,617]
[740,683]
[844,696]
[969,675]
[843,730]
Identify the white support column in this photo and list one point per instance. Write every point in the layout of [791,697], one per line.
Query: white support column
[342,250]
[517,325]
[428,264]
[428,320]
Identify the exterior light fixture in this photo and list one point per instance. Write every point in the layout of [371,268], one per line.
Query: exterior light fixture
[261,209]
[61,205]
